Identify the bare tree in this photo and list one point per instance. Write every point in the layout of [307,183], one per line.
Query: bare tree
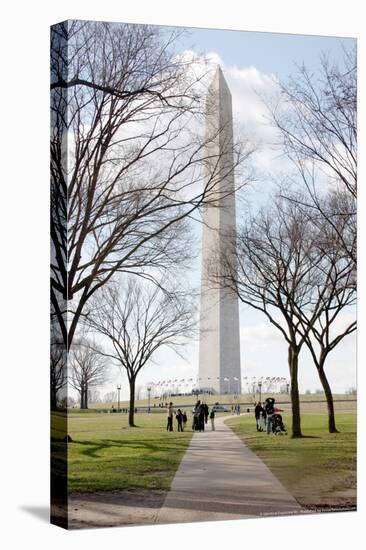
[126,158]
[333,212]
[316,116]
[88,369]
[94,396]
[110,397]
[333,291]
[58,372]
[137,321]
[58,367]
[286,265]
[272,268]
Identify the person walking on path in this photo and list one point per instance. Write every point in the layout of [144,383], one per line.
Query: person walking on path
[206,410]
[212,418]
[170,412]
[258,413]
[196,417]
[269,410]
[201,418]
[179,417]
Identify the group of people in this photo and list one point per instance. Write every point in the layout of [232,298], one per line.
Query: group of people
[200,416]
[201,413]
[180,416]
[264,414]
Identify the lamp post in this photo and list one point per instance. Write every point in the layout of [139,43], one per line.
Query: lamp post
[118,389]
[148,393]
[260,391]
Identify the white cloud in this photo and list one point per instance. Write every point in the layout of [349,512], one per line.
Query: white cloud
[263,347]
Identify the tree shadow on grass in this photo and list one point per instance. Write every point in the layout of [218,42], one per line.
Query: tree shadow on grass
[93,448]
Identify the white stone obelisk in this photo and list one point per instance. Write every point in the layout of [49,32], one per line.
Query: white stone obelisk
[219,352]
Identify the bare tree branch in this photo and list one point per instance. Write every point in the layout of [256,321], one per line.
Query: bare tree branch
[137,320]
[129,163]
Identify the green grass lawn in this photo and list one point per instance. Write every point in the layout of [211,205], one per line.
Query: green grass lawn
[319,469]
[108,455]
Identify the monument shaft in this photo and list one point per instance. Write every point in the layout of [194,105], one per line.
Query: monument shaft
[219,353]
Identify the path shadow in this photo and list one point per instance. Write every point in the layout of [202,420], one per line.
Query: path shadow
[40,512]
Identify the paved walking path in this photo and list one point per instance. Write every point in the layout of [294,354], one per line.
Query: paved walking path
[220,478]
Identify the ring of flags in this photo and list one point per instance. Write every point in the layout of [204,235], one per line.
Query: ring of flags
[254,383]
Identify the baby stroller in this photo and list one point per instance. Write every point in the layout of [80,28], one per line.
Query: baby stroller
[278,427]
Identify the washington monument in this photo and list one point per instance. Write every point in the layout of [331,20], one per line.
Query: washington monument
[219,355]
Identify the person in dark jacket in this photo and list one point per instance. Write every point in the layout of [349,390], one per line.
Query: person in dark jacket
[259,416]
[170,412]
[269,410]
[184,417]
[179,417]
[201,421]
[212,418]
[206,412]
[196,416]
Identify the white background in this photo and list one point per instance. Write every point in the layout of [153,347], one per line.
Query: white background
[24,245]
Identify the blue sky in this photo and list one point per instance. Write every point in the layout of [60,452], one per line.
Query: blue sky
[249,60]
[271,53]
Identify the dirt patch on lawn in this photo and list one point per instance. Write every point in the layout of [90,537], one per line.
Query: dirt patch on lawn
[114,508]
[334,501]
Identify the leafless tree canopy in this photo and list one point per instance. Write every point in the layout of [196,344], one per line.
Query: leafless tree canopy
[334,290]
[138,320]
[88,368]
[127,153]
[287,267]
[316,117]
[111,397]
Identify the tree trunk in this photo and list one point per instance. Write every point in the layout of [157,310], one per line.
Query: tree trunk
[83,397]
[86,396]
[131,415]
[53,398]
[329,397]
[293,362]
